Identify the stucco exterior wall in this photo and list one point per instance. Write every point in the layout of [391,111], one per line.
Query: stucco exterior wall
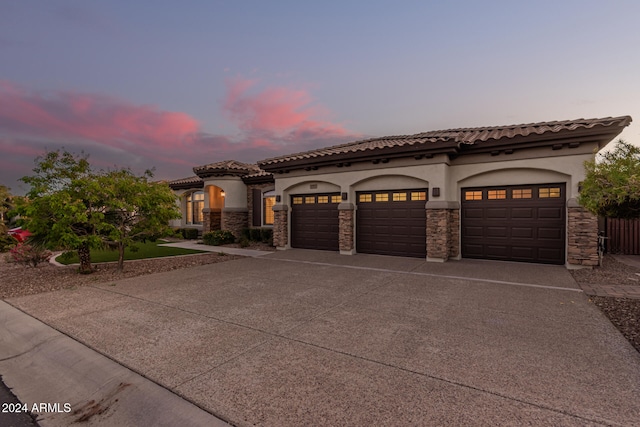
[533,166]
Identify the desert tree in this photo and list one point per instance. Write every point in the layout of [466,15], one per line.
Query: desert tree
[612,184]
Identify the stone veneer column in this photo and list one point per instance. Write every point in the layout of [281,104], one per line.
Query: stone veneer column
[443,224]
[582,236]
[211,220]
[234,220]
[454,233]
[345,216]
[281,226]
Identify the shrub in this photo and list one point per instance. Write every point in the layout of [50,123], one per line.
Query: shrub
[66,257]
[255,235]
[29,255]
[7,242]
[188,233]
[244,242]
[218,237]
[246,233]
[266,235]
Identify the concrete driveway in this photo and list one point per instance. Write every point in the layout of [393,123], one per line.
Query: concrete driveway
[314,338]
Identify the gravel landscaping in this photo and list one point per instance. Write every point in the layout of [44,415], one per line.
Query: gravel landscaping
[17,280]
[624,313]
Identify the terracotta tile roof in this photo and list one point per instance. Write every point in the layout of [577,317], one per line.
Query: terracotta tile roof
[192,181]
[226,167]
[456,137]
[258,174]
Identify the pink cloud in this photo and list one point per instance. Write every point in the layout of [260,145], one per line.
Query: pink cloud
[98,118]
[276,111]
[272,121]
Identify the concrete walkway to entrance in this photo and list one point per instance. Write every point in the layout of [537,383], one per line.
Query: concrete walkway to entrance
[308,337]
[207,248]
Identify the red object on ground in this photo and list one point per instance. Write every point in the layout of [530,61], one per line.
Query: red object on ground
[19,234]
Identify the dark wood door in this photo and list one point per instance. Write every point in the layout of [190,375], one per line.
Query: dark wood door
[314,221]
[392,222]
[514,223]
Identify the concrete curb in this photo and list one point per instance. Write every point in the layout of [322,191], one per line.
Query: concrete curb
[70,383]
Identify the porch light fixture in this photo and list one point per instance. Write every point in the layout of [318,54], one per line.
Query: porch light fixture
[222,193]
[435,191]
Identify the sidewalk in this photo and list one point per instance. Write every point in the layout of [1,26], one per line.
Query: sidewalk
[632,260]
[231,251]
[80,385]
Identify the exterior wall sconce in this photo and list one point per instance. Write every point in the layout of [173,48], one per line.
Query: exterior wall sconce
[278,198]
[222,193]
[344,196]
[435,191]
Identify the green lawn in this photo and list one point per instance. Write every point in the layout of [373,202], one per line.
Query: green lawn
[145,250]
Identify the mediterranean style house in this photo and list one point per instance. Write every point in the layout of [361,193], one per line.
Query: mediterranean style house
[502,193]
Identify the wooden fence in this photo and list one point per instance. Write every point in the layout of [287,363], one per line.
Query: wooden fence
[623,236]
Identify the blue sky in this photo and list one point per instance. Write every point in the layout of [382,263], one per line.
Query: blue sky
[175,84]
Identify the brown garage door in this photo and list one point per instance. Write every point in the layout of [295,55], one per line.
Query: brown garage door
[515,223]
[314,221]
[392,222]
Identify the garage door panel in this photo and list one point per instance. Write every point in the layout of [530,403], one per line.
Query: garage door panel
[473,231]
[390,226]
[496,231]
[498,251]
[522,213]
[530,229]
[314,225]
[551,213]
[522,232]
[549,233]
[474,250]
[499,213]
[550,254]
[473,213]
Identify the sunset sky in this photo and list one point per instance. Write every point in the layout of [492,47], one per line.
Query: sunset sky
[172,85]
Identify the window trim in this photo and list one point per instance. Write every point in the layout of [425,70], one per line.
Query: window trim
[189,208]
[266,196]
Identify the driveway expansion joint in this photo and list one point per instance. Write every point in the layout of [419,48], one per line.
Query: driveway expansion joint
[442,276]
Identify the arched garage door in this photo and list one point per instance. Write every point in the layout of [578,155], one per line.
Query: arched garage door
[314,221]
[514,223]
[392,222]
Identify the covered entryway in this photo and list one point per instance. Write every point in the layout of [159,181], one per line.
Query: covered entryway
[314,221]
[392,222]
[514,223]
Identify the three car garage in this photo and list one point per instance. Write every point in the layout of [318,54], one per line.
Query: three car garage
[512,223]
[501,192]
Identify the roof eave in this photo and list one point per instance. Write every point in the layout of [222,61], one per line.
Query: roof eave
[340,159]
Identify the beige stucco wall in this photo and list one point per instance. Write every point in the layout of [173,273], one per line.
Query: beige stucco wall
[530,166]
[235,192]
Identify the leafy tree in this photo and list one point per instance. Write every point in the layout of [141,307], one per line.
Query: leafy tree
[63,208]
[612,184]
[137,209]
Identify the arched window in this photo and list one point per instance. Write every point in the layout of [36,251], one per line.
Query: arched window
[195,204]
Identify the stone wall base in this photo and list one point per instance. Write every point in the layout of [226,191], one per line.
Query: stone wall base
[281,227]
[443,234]
[235,220]
[346,218]
[212,220]
[582,236]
